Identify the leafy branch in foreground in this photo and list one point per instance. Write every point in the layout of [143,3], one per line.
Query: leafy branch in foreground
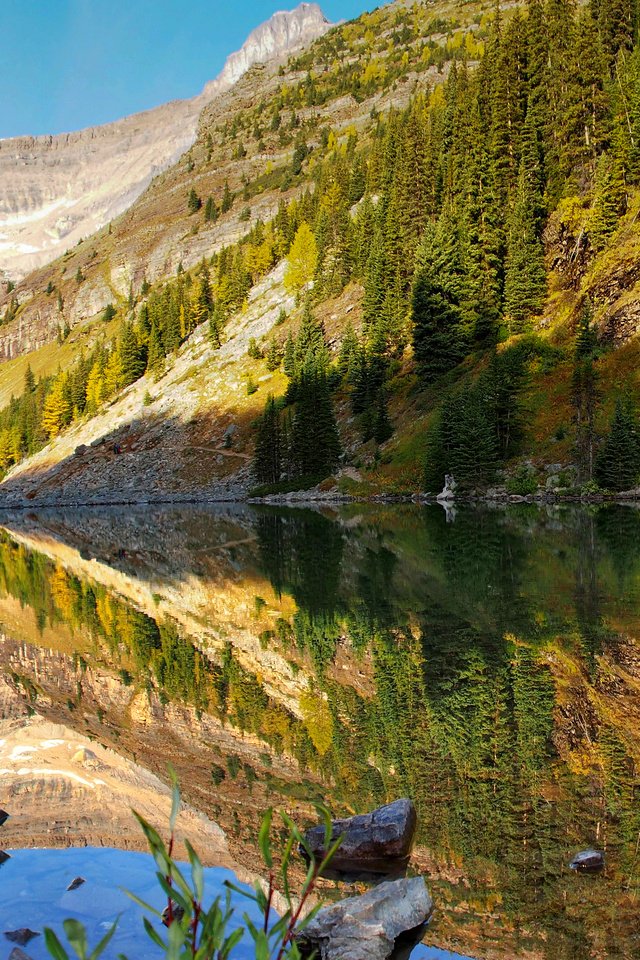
[197,932]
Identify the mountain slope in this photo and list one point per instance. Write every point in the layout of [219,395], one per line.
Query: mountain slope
[57,190]
[461,254]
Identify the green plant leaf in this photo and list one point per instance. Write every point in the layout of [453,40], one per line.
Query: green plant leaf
[77,936]
[264,840]
[54,946]
[244,893]
[142,903]
[153,933]
[197,872]
[175,799]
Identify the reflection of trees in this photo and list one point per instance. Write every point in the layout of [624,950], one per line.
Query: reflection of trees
[480,557]
[455,631]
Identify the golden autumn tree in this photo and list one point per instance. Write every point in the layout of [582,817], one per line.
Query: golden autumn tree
[302,260]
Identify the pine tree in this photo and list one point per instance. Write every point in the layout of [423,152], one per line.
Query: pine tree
[438,339]
[155,352]
[227,199]
[132,356]
[315,445]
[609,202]
[193,201]
[267,456]
[584,393]
[382,426]
[525,276]
[618,462]
[210,210]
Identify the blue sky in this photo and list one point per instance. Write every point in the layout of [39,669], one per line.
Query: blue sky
[67,64]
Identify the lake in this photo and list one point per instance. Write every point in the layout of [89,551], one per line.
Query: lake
[484,662]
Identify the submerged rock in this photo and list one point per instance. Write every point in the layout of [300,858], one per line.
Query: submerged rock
[18,954]
[588,861]
[369,927]
[377,842]
[76,882]
[4,856]
[22,935]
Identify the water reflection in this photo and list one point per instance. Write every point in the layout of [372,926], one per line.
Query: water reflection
[487,667]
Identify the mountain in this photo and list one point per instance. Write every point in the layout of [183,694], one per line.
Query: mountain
[56,190]
[417,235]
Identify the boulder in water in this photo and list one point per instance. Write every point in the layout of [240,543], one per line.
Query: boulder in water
[588,861]
[76,882]
[18,954]
[4,816]
[21,936]
[374,843]
[369,927]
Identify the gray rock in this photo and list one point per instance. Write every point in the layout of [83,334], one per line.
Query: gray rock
[588,861]
[367,927]
[4,856]
[377,842]
[77,881]
[18,954]
[21,936]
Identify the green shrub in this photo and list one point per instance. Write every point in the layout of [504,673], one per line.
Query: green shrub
[195,931]
[522,483]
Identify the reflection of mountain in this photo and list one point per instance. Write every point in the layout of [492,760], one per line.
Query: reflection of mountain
[488,668]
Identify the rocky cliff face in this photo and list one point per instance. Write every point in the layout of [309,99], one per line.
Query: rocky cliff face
[284,31]
[56,190]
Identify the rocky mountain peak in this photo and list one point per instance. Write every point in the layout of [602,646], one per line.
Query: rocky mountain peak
[284,31]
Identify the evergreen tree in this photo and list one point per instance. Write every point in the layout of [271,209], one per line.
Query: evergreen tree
[618,462]
[267,456]
[155,352]
[525,277]
[227,199]
[382,426]
[132,356]
[610,200]
[584,393]
[462,443]
[193,201]
[210,210]
[438,339]
[315,446]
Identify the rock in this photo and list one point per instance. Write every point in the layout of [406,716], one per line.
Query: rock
[4,856]
[85,756]
[588,861]
[21,936]
[18,954]
[76,882]
[449,489]
[4,816]
[178,914]
[367,927]
[377,842]
[80,450]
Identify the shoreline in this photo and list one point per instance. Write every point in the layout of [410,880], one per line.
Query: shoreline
[322,497]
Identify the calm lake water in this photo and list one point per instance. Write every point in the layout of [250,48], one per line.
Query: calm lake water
[485,664]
